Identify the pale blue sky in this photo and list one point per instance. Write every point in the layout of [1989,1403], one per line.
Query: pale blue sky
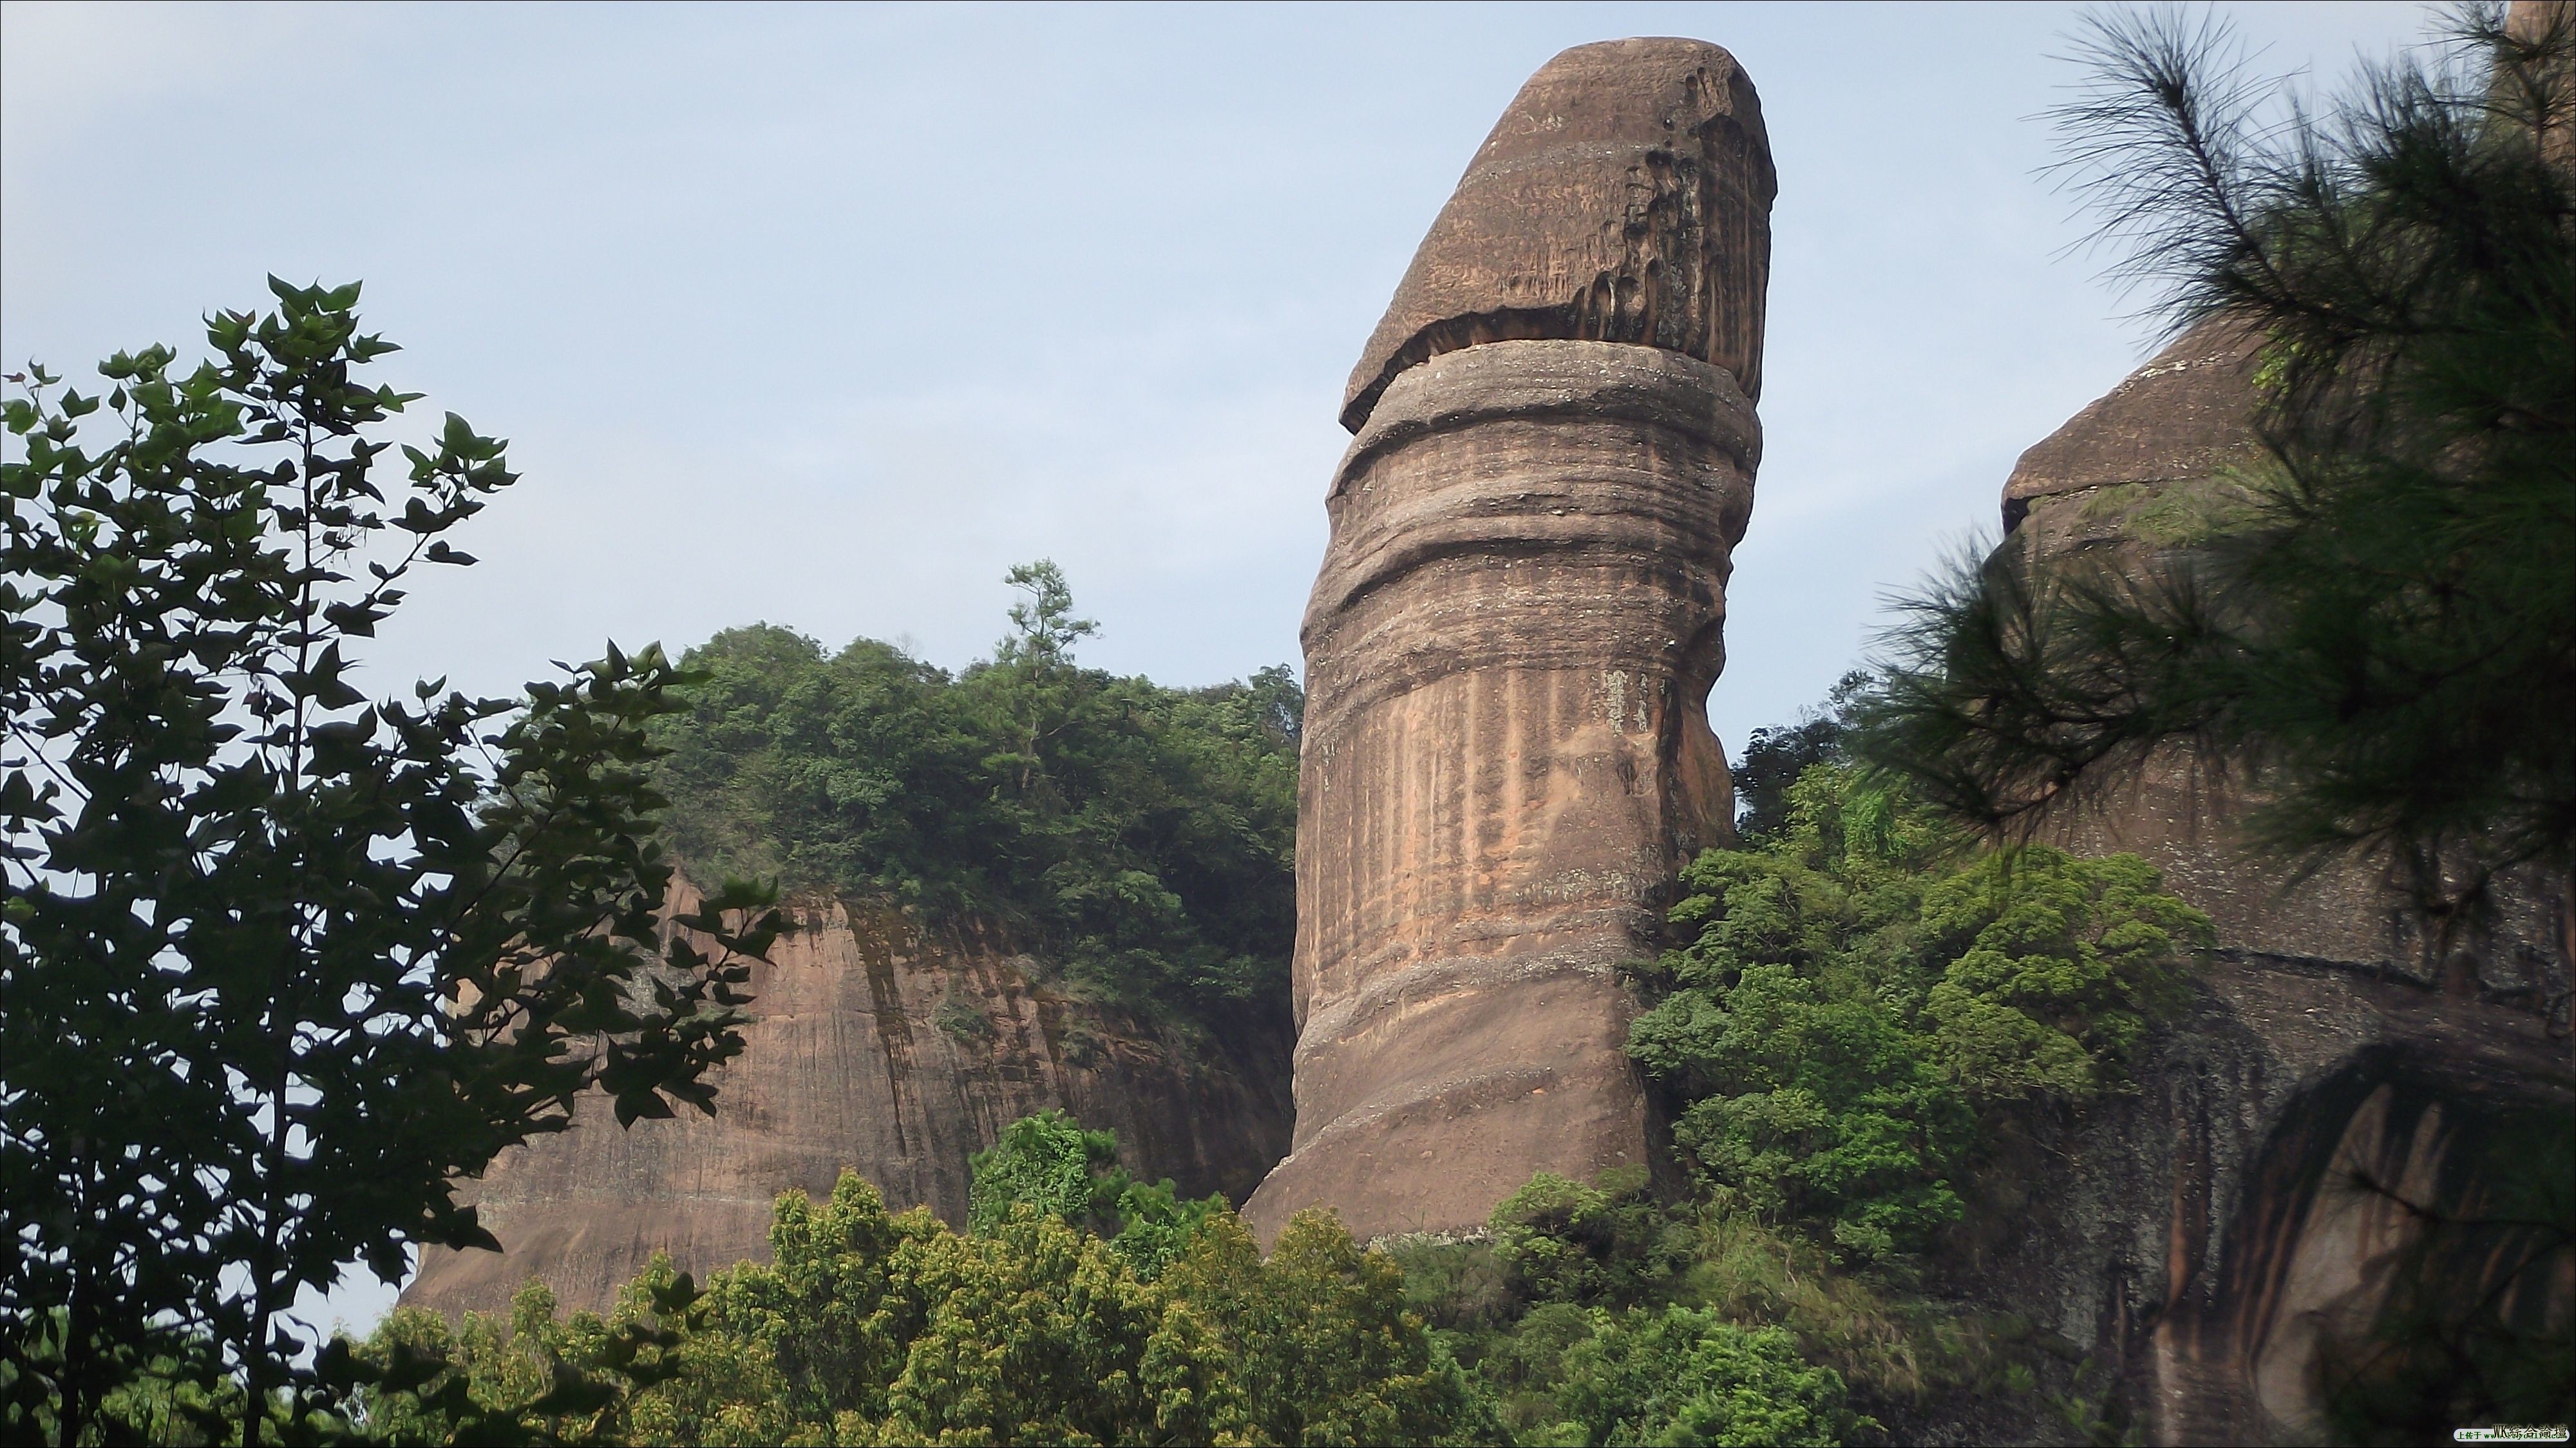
[828,315]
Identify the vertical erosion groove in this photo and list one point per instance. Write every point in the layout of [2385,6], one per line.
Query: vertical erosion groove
[1506,758]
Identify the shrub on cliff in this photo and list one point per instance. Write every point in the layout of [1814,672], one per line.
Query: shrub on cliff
[1139,837]
[2055,968]
[1682,1375]
[1843,1007]
[1049,1164]
[1609,1242]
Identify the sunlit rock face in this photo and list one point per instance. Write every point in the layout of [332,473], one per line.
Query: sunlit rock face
[877,1045]
[1512,638]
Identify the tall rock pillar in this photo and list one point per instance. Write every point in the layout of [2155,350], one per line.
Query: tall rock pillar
[1512,638]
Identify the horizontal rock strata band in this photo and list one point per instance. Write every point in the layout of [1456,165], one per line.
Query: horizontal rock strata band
[1512,638]
[1506,755]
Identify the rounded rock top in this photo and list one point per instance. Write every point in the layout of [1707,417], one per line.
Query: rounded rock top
[1624,196]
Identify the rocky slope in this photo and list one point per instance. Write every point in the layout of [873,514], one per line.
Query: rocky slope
[880,1045]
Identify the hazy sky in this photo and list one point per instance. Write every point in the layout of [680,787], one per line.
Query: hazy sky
[827,316]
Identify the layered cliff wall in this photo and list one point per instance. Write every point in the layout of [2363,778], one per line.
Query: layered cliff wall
[1511,641]
[2230,1242]
[880,1045]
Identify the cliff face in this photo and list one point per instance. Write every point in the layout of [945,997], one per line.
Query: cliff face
[1512,638]
[2228,1239]
[876,1045]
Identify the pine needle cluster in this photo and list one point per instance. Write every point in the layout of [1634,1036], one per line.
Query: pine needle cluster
[2381,645]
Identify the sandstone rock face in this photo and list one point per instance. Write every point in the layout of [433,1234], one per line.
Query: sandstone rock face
[1511,642]
[2144,470]
[2330,1138]
[2179,420]
[2152,467]
[1625,196]
[876,1045]
[2204,1236]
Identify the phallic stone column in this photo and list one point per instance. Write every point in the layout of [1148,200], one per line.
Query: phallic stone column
[1512,638]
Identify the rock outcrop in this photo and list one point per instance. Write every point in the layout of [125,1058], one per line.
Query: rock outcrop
[2226,1241]
[2151,469]
[1625,196]
[1512,638]
[879,1045]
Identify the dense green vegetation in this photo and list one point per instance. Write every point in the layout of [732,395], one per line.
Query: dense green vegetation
[1137,837]
[1049,1164]
[871,1328]
[1855,1010]
[1844,1009]
[1849,1012]
[281,964]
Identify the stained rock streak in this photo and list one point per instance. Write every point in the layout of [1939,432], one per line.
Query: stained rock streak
[878,1044]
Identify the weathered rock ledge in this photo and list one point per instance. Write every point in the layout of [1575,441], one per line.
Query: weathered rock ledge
[1624,196]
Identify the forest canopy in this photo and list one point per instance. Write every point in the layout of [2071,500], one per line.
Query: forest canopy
[1137,837]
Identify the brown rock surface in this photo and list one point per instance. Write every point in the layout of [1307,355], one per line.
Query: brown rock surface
[2148,469]
[1511,642]
[876,1045]
[2179,419]
[2201,1236]
[2202,1241]
[1624,196]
